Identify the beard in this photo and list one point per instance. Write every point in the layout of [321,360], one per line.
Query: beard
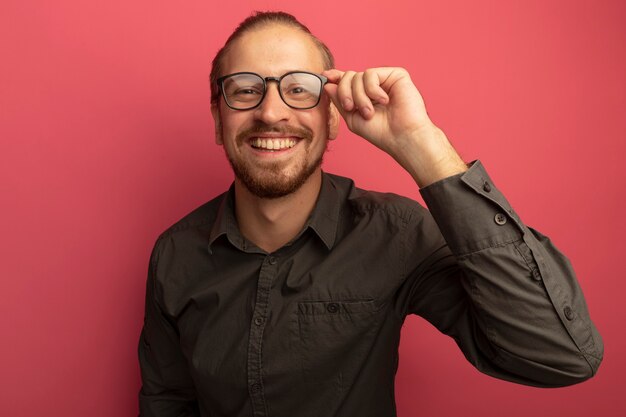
[270,181]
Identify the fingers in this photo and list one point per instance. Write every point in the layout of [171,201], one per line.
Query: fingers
[372,81]
[357,90]
[359,96]
[344,91]
[333,75]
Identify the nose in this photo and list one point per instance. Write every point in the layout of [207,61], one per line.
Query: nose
[272,109]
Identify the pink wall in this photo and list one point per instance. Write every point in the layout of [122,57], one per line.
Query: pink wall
[106,139]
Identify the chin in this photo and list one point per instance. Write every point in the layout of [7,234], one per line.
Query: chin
[270,185]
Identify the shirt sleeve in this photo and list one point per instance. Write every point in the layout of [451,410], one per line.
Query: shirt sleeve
[502,290]
[167,388]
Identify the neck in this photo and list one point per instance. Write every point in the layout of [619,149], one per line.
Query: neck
[272,223]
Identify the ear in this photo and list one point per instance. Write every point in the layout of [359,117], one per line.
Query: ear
[215,112]
[333,121]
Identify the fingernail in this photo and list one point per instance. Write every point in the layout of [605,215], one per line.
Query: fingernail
[365,111]
[346,103]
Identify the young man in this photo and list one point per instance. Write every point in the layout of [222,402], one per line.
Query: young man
[285,296]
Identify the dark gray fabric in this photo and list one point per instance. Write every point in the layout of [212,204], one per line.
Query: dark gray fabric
[313,328]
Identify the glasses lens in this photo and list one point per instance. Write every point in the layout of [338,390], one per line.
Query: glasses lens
[243,91]
[301,90]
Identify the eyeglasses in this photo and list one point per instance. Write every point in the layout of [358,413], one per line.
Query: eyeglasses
[246,90]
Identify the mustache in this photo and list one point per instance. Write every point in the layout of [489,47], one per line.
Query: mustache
[260,128]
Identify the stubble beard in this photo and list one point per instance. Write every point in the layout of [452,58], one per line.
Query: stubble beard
[270,181]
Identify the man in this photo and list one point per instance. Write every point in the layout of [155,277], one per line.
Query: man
[286,295]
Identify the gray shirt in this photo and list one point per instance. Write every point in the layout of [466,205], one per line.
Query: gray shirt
[313,328]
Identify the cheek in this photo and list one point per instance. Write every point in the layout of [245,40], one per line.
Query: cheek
[231,125]
[318,121]
[323,128]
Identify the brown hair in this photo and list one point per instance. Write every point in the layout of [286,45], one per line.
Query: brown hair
[257,20]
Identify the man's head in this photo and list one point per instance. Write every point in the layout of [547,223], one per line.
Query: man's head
[273,148]
[257,21]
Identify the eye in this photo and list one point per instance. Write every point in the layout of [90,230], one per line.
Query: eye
[294,90]
[246,91]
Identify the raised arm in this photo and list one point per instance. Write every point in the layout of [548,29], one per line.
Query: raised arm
[507,296]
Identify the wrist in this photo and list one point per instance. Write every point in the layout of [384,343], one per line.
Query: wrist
[428,156]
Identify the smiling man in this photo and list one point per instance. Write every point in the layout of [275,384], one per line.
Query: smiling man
[285,296]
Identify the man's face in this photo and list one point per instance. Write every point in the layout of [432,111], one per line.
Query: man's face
[298,137]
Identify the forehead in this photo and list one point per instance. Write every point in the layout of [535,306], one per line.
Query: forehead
[273,50]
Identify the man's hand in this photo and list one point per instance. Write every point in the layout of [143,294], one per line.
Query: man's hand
[383,106]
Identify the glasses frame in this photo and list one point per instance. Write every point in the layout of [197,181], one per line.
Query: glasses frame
[220,84]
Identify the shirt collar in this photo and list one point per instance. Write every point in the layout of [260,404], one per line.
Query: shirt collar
[323,219]
[325,216]
[225,221]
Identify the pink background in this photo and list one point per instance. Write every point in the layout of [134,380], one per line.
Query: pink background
[106,139]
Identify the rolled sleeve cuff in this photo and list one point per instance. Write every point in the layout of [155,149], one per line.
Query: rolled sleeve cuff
[471,212]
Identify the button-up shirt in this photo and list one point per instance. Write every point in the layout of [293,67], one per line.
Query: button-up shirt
[313,328]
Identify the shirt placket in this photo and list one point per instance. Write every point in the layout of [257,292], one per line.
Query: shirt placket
[268,271]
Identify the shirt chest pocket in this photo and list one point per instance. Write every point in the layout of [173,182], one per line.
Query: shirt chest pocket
[335,338]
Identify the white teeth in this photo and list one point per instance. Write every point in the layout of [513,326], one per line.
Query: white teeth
[273,144]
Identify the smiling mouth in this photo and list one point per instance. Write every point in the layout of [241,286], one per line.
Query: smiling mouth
[273,144]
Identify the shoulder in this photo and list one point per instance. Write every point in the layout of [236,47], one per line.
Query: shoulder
[362,202]
[200,218]
[195,225]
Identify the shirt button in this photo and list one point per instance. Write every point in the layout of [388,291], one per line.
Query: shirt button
[258,321]
[332,308]
[486,187]
[255,387]
[536,274]
[500,219]
[272,260]
[569,313]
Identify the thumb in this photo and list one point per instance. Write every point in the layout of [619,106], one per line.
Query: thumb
[331,87]
[331,90]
